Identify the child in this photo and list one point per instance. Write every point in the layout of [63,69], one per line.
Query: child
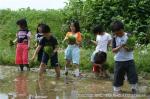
[38,37]
[50,42]
[72,53]
[23,44]
[103,40]
[124,61]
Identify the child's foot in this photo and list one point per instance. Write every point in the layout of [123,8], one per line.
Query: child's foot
[117,92]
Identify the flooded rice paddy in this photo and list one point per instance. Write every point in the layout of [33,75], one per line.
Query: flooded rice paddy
[27,85]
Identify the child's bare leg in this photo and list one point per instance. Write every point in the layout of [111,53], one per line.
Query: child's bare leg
[100,70]
[68,63]
[77,73]
[21,67]
[42,69]
[105,73]
[57,70]
[101,73]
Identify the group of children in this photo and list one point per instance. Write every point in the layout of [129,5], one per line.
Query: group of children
[124,61]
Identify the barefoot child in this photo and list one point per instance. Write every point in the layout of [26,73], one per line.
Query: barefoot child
[124,61]
[38,37]
[50,45]
[23,44]
[72,53]
[103,40]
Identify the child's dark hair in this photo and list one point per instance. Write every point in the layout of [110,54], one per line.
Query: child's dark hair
[39,25]
[45,28]
[76,24]
[22,23]
[117,26]
[100,57]
[97,29]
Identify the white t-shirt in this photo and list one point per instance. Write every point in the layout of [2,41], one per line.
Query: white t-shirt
[122,54]
[102,42]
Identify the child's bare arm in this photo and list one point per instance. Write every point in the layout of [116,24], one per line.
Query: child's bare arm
[66,37]
[15,40]
[110,43]
[29,42]
[36,51]
[115,50]
[64,40]
[94,42]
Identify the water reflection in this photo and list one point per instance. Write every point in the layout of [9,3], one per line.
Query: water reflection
[3,96]
[46,89]
[27,85]
[41,89]
[21,84]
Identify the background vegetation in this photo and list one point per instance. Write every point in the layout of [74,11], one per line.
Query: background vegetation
[134,13]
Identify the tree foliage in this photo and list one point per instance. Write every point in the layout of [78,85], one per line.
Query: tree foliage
[135,14]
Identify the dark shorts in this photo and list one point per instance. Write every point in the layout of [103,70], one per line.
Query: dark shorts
[40,54]
[122,69]
[53,59]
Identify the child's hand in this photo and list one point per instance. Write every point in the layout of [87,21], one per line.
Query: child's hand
[53,52]
[128,49]
[123,45]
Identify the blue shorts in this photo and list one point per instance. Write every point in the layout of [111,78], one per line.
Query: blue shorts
[53,59]
[73,53]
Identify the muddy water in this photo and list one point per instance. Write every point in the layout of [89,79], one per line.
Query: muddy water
[27,85]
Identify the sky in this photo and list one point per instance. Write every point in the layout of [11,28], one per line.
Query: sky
[33,4]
